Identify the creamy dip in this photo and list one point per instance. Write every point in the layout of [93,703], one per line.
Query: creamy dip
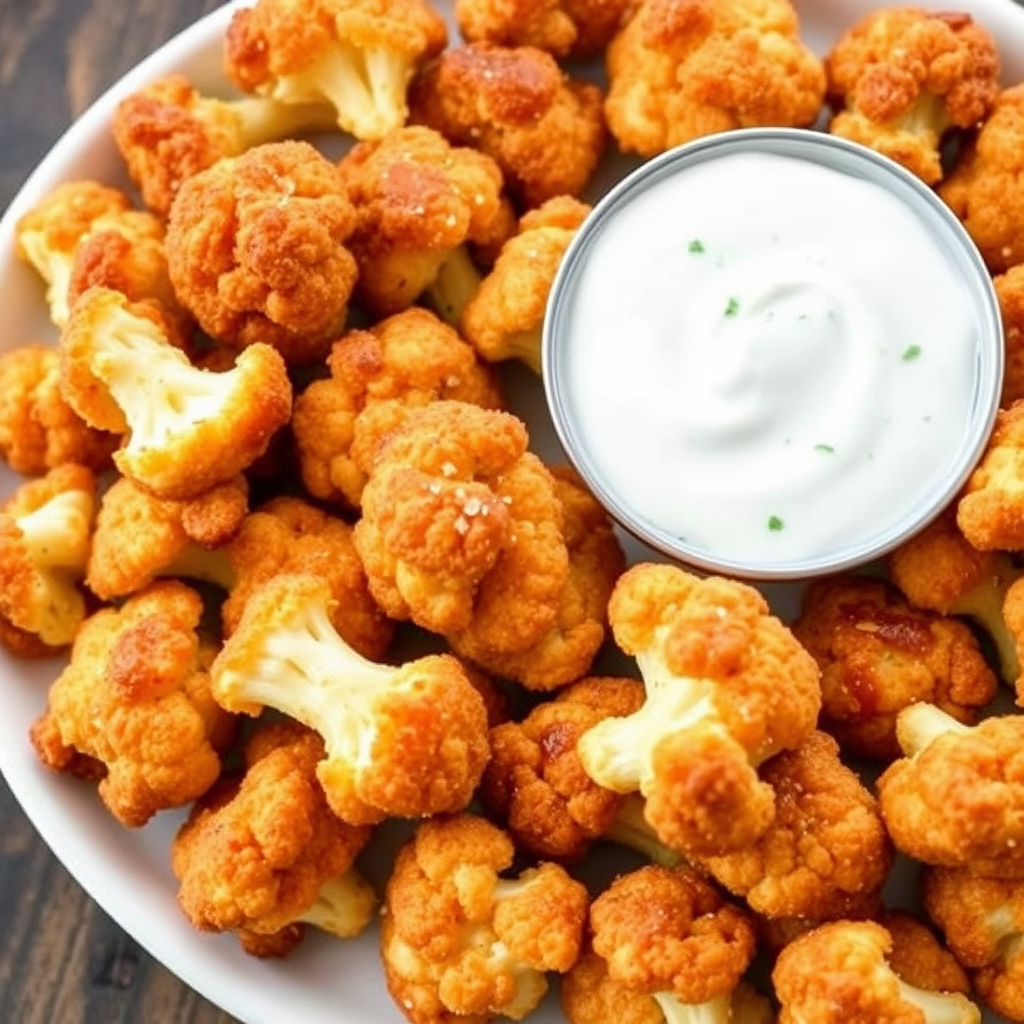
[769,359]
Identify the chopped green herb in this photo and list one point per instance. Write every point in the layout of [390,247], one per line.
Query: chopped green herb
[732,307]
[824,448]
[696,246]
[775,524]
[910,353]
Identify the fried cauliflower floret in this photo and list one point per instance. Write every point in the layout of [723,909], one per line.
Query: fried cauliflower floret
[877,655]
[461,943]
[903,76]
[356,55]
[45,534]
[504,318]
[412,358]
[955,799]
[564,28]
[1010,293]
[826,849]
[983,922]
[400,741]
[984,188]
[187,429]
[263,854]
[682,69]
[167,131]
[668,933]
[566,650]
[939,570]
[256,250]
[545,129]
[83,234]
[840,973]
[728,686]
[136,698]
[419,201]
[138,537]
[38,429]
[918,956]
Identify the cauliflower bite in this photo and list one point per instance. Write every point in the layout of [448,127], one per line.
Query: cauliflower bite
[668,933]
[956,799]
[418,202]
[412,358]
[263,855]
[564,28]
[135,697]
[504,318]
[400,741]
[919,958]
[938,570]
[983,922]
[984,188]
[545,129]
[825,852]
[534,782]
[138,537]
[38,429]
[356,55]
[187,429]
[167,131]
[877,655]
[681,69]
[728,686]
[1010,292]
[903,76]
[841,973]
[45,533]
[460,942]
[84,233]
[256,250]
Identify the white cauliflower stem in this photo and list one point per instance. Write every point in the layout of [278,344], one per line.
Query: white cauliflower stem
[343,907]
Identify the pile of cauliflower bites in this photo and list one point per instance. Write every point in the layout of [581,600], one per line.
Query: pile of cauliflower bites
[273,435]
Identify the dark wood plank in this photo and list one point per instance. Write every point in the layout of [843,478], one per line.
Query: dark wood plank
[62,960]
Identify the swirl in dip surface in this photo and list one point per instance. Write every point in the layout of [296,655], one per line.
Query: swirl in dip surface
[768,360]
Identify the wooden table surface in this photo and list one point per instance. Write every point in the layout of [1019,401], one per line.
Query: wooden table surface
[62,960]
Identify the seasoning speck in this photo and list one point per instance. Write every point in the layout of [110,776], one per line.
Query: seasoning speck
[696,246]
[775,524]
[732,307]
[824,448]
[910,353]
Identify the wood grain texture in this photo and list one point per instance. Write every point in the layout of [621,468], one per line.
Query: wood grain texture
[62,960]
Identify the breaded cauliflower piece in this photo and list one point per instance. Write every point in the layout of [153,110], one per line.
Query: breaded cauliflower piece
[401,741]
[38,429]
[826,850]
[669,934]
[982,920]
[412,358]
[566,651]
[263,855]
[187,429]
[682,69]
[728,686]
[136,698]
[83,233]
[167,131]
[545,129]
[419,201]
[356,55]
[1010,292]
[840,973]
[919,958]
[45,534]
[877,654]
[461,943]
[984,188]
[956,798]
[504,318]
[901,77]
[138,537]
[256,250]
[939,570]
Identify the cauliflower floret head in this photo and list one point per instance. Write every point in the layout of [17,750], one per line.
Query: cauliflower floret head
[356,55]
[1010,292]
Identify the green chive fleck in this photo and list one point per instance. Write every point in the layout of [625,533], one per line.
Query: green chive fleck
[697,246]
[910,353]
[732,307]
[824,448]
[775,524]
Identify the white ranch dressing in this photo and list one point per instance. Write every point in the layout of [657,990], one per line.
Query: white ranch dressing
[770,359]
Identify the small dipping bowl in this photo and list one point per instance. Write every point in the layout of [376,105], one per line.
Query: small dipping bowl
[773,354]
